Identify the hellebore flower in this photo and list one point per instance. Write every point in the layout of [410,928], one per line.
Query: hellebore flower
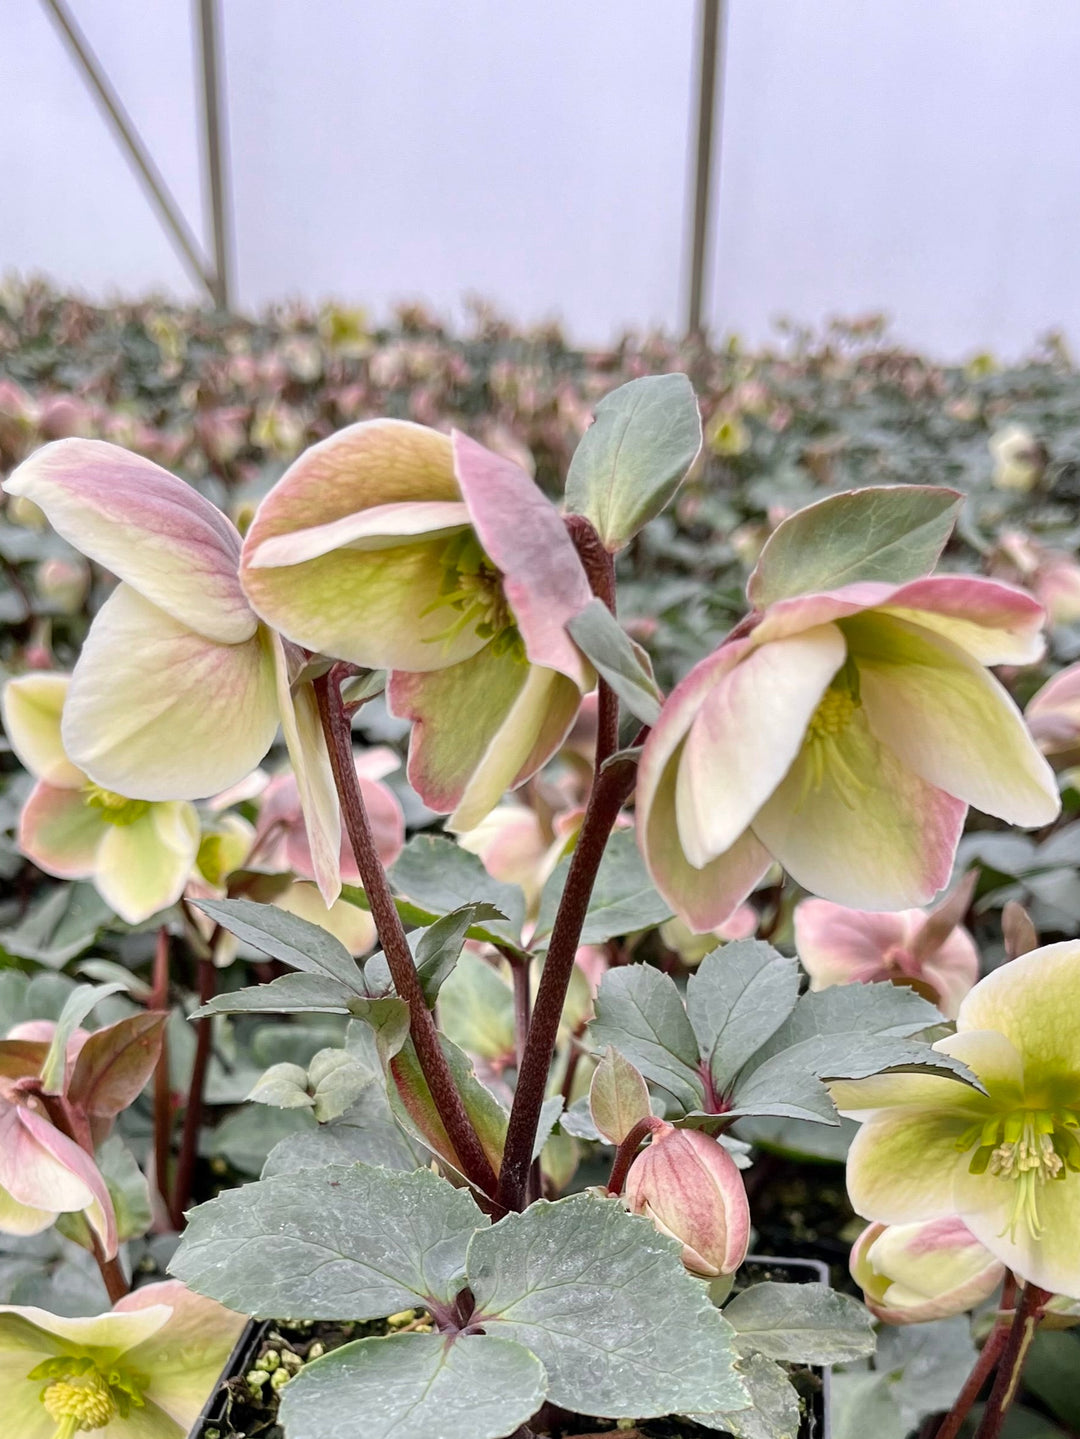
[1052,576]
[144,1370]
[179,690]
[138,853]
[1004,1162]
[910,1273]
[690,1187]
[1053,716]
[44,1174]
[907,946]
[395,547]
[844,736]
[1019,459]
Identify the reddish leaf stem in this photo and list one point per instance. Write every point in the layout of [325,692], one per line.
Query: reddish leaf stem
[159,999]
[1007,1381]
[189,1139]
[448,1102]
[627,1151]
[984,1366]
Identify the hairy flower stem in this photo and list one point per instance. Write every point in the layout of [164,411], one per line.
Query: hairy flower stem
[189,1139]
[984,1366]
[627,1151]
[611,788]
[1007,1381]
[159,999]
[448,1102]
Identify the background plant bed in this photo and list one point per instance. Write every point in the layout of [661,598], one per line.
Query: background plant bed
[243,1407]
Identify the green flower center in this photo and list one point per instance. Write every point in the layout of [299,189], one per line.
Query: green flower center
[471,588]
[1030,1147]
[114,808]
[81,1396]
[823,751]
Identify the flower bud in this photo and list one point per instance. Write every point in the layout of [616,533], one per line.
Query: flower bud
[910,1273]
[690,1187]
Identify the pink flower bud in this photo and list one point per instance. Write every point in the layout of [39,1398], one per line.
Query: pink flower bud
[690,1187]
[910,1273]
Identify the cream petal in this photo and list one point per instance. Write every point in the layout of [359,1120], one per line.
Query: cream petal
[989,1056]
[156,711]
[60,832]
[745,735]
[704,898]
[1034,1001]
[1052,1260]
[993,622]
[16,1218]
[31,707]
[950,721]
[871,835]
[543,579]
[363,606]
[381,527]
[904,1166]
[143,867]
[456,714]
[37,1331]
[535,727]
[186,1355]
[319,805]
[151,529]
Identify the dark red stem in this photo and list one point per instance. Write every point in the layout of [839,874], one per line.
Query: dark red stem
[627,1151]
[459,1128]
[189,1140]
[159,999]
[1011,1366]
[983,1367]
[519,971]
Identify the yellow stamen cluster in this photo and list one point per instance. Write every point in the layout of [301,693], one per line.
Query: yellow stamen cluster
[80,1403]
[114,808]
[471,586]
[826,729]
[1030,1147]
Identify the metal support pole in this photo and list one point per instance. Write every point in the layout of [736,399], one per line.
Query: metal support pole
[214,140]
[713,23]
[131,142]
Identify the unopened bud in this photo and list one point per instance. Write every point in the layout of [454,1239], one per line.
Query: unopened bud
[910,1273]
[691,1188]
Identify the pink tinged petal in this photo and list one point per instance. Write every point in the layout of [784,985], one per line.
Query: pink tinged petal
[156,711]
[1053,715]
[306,744]
[912,1273]
[353,926]
[456,713]
[993,622]
[381,527]
[531,733]
[151,529]
[953,969]
[363,606]
[143,867]
[838,945]
[41,1167]
[804,612]
[524,535]
[745,735]
[864,831]
[704,898]
[16,1218]
[949,721]
[31,707]
[185,1356]
[1035,1002]
[60,832]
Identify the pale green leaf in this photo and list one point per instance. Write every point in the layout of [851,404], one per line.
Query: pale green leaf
[640,1013]
[624,898]
[77,1006]
[295,941]
[438,876]
[736,1000]
[598,634]
[800,1323]
[893,533]
[774,1405]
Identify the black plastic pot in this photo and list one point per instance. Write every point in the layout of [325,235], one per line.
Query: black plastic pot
[757,1268]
